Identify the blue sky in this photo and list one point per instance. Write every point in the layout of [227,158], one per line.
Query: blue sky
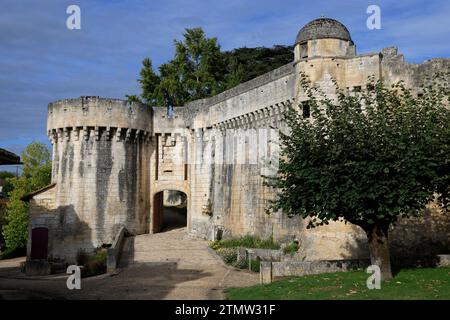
[42,61]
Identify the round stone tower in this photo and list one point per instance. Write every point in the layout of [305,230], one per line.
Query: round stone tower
[323,52]
[100,168]
[323,37]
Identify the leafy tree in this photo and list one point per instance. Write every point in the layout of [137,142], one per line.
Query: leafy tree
[7,186]
[36,174]
[256,61]
[196,71]
[149,81]
[131,98]
[171,91]
[37,166]
[369,158]
[200,70]
[15,231]
[6,175]
[235,74]
[200,64]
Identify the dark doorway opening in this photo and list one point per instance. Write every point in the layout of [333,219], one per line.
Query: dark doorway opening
[169,210]
[39,243]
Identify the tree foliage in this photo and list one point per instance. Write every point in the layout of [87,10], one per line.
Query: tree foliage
[149,81]
[36,174]
[6,175]
[195,72]
[200,70]
[7,186]
[254,62]
[369,158]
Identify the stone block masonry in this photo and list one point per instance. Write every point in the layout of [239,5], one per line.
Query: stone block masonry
[100,170]
[272,270]
[112,159]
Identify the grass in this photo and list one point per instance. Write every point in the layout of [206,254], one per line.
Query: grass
[408,284]
[245,242]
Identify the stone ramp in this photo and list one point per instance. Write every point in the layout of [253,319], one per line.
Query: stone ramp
[176,266]
[167,265]
[171,246]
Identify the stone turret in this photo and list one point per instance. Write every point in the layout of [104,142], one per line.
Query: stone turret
[325,52]
[324,37]
[100,168]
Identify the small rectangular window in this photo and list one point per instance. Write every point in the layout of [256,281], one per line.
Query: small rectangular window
[357,89]
[306,110]
[304,51]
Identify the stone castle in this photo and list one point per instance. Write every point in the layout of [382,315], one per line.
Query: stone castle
[113,160]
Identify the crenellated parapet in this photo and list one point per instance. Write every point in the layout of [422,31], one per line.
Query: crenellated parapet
[86,133]
[98,118]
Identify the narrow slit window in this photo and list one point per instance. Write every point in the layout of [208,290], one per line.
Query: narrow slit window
[306,110]
[304,51]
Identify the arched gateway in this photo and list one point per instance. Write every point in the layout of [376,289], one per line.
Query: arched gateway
[170,211]
[113,160]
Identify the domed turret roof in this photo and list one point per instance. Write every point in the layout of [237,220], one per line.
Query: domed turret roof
[323,28]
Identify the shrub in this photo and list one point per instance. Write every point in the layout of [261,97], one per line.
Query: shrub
[227,250]
[93,264]
[15,228]
[228,255]
[82,257]
[243,264]
[255,265]
[291,248]
[36,174]
[10,253]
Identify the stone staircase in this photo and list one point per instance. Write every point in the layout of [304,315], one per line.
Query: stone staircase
[170,246]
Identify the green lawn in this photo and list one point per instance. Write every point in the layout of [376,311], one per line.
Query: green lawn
[420,284]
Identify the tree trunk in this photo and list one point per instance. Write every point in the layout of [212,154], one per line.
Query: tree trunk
[379,250]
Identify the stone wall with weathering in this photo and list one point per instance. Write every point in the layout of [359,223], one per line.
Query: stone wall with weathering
[235,134]
[112,159]
[169,152]
[100,167]
[415,76]
[67,232]
[225,126]
[425,236]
